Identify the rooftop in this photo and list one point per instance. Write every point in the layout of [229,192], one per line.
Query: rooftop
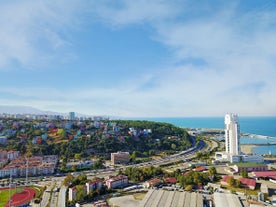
[248,182]
[265,174]
[162,198]
[249,164]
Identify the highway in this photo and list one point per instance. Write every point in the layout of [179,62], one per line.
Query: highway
[59,197]
[62,196]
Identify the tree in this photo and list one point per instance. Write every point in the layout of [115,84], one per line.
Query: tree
[77,156]
[189,187]
[98,164]
[212,171]
[244,174]
[80,193]
[237,183]
[68,180]
[230,181]
[74,168]
[133,156]
[173,146]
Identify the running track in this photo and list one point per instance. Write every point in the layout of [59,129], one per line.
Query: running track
[20,198]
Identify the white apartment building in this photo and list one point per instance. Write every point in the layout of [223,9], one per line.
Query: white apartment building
[232,143]
[232,134]
[117,182]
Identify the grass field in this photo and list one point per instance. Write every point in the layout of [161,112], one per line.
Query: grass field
[5,195]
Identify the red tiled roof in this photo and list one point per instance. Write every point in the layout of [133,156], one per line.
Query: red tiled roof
[224,178]
[94,182]
[265,174]
[153,181]
[248,182]
[199,169]
[171,180]
[120,177]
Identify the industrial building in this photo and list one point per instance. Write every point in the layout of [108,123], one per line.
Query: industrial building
[164,198]
[227,200]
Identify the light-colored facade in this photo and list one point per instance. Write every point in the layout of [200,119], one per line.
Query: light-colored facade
[72,116]
[249,167]
[37,165]
[227,200]
[72,193]
[232,143]
[3,140]
[246,158]
[232,134]
[119,158]
[117,182]
[93,185]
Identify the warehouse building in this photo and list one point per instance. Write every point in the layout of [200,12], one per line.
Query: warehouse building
[163,198]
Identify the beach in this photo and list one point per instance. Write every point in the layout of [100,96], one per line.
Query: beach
[247,148]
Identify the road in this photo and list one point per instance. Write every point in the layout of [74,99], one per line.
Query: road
[46,196]
[62,196]
[59,197]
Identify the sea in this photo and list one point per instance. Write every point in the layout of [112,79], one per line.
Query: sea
[264,126]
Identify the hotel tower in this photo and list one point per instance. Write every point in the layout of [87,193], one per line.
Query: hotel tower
[232,143]
[232,134]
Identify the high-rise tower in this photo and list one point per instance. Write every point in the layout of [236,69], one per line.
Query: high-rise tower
[232,134]
[72,116]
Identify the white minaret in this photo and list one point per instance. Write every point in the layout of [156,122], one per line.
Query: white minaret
[232,134]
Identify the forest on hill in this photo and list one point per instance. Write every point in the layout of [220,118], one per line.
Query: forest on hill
[67,138]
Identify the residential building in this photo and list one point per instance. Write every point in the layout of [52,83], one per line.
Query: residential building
[249,167]
[3,162]
[3,140]
[9,155]
[72,116]
[171,180]
[12,154]
[232,134]
[3,154]
[120,158]
[93,185]
[117,182]
[153,183]
[248,183]
[224,180]
[72,193]
[33,166]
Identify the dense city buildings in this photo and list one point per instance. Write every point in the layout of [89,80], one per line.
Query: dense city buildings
[49,117]
[31,166]
[119,158]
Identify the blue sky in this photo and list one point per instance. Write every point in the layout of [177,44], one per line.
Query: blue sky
[140,58]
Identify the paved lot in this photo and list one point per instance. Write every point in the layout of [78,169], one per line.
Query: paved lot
[124,201]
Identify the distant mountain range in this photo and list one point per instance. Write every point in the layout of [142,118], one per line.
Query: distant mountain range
[26,110]
[32,110]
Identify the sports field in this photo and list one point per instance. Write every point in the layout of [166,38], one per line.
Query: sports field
[19,196]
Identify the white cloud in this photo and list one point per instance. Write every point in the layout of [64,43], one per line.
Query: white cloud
[237,51]
[33,31]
